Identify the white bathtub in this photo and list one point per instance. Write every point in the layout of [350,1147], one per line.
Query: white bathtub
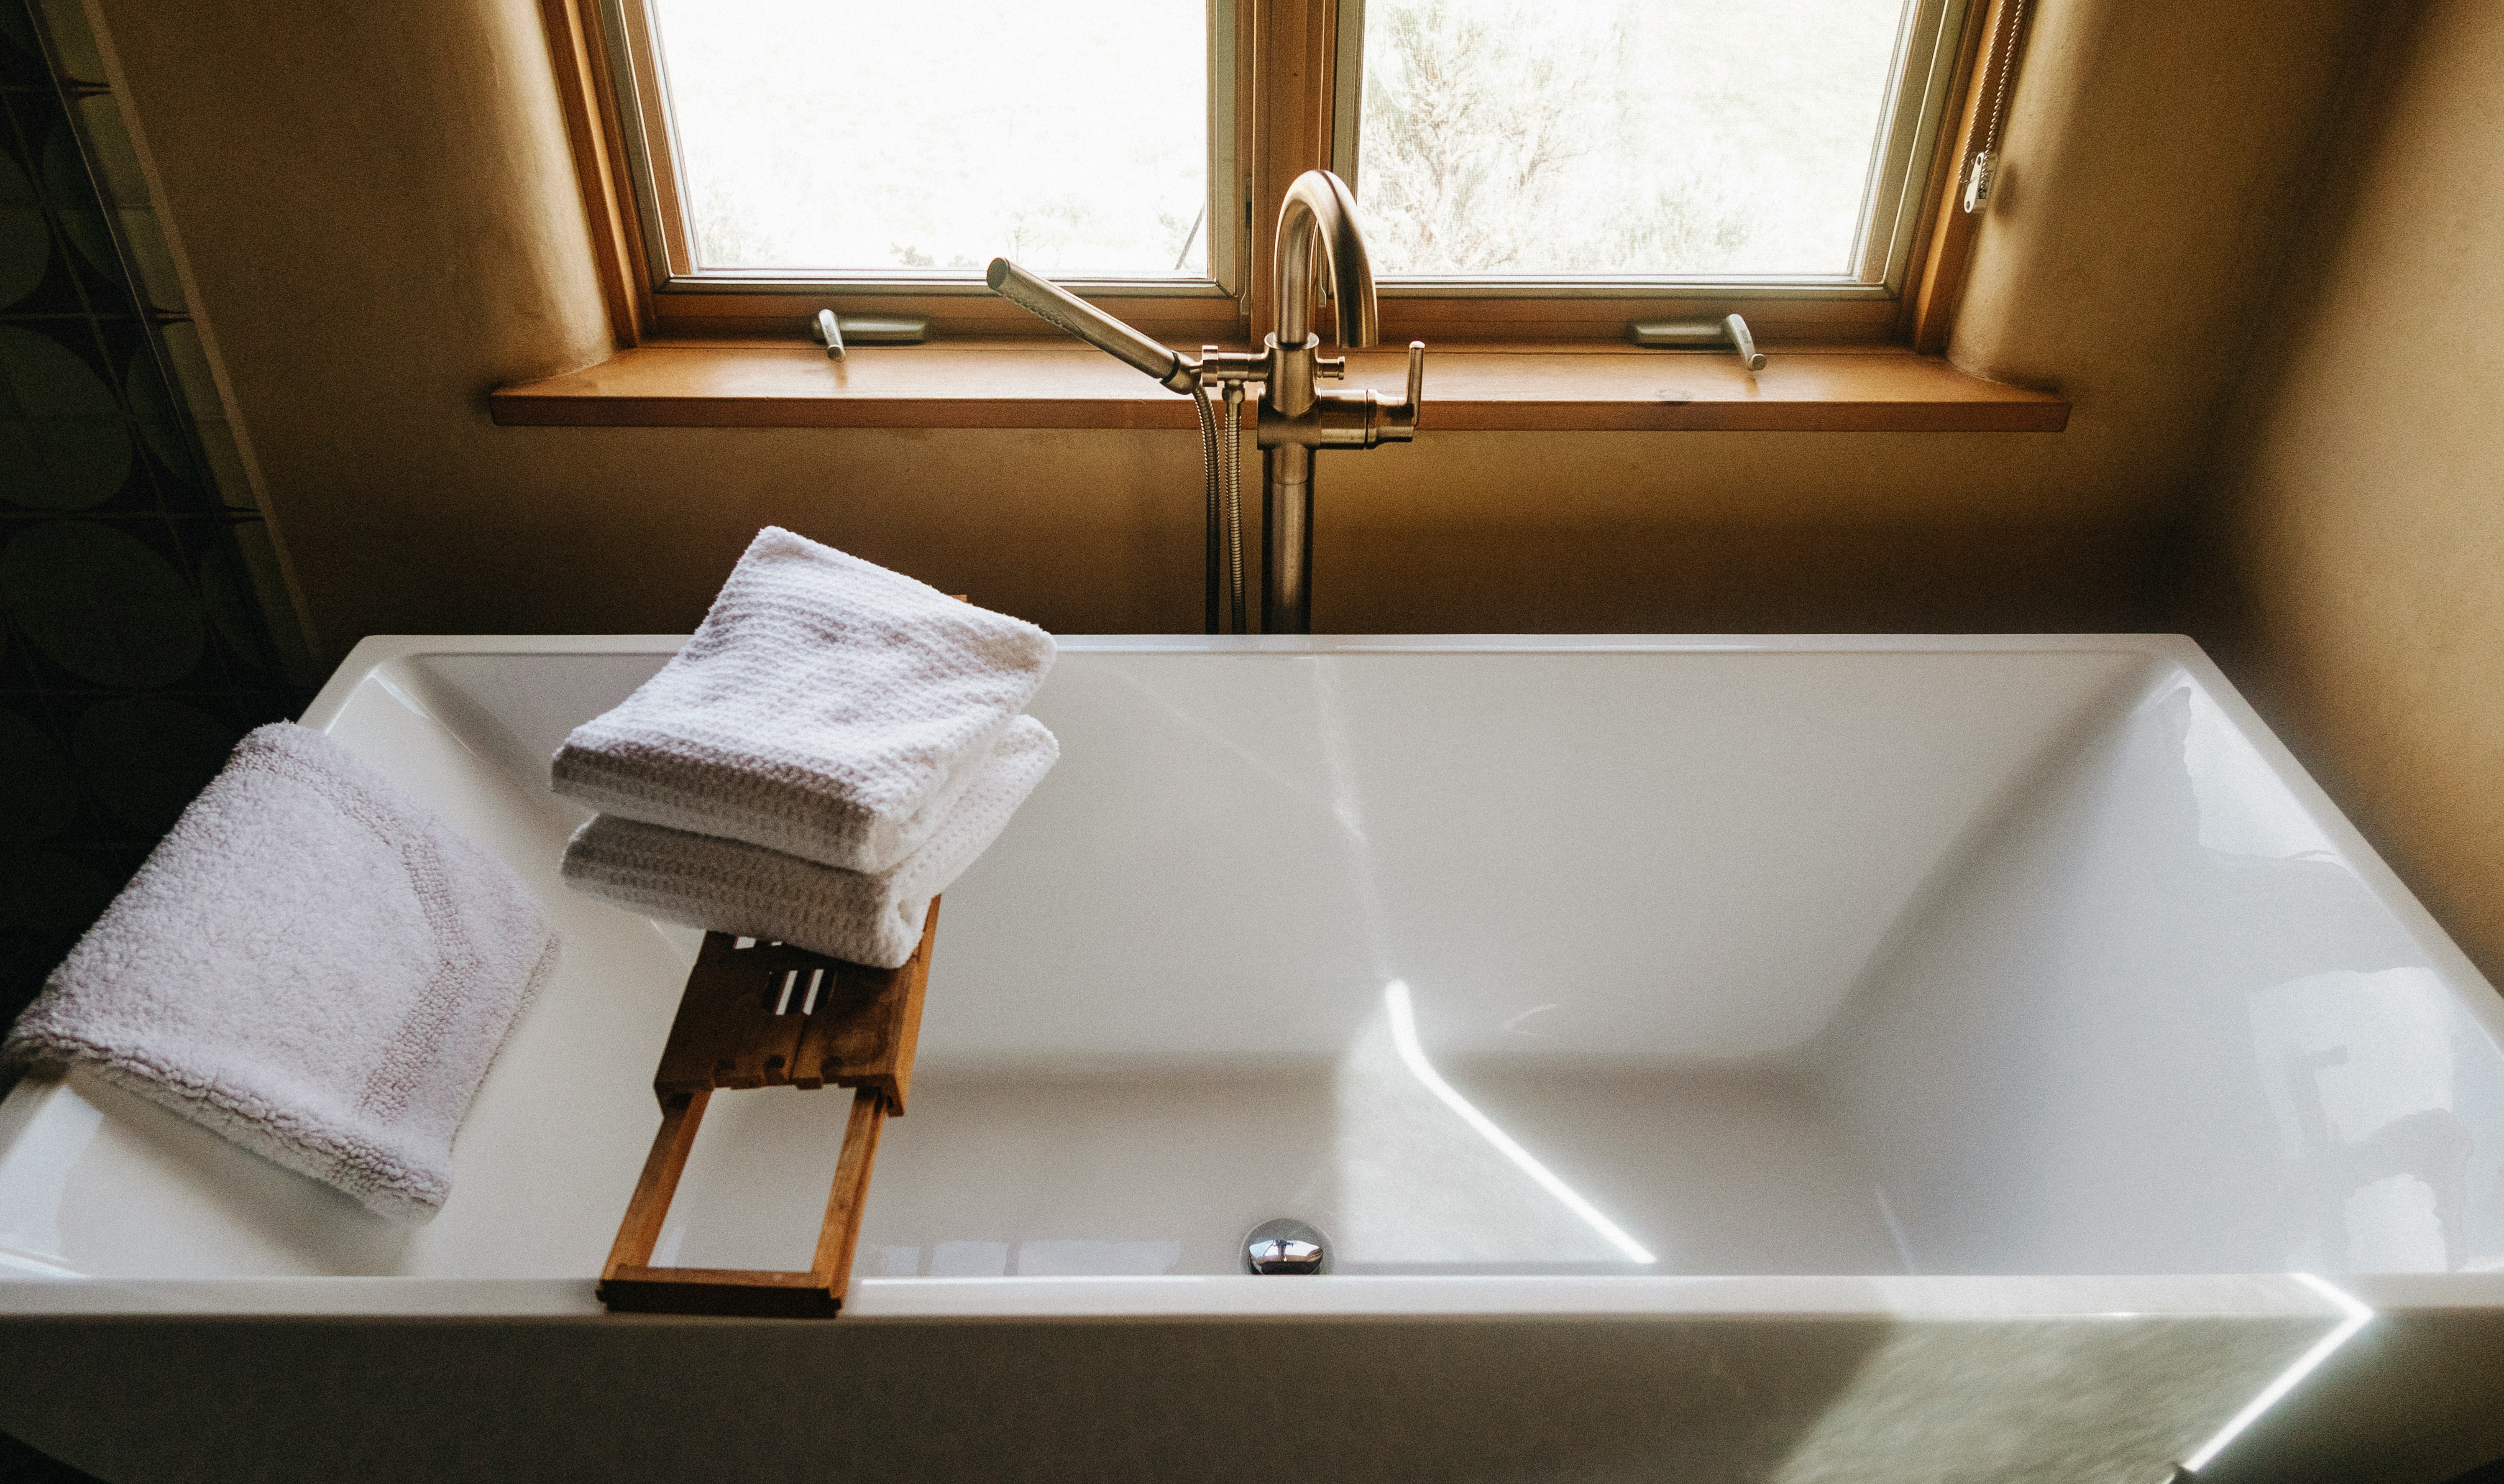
[1790,1059]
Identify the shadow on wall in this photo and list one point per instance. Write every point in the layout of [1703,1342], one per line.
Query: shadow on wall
[133,647]
[2349,540]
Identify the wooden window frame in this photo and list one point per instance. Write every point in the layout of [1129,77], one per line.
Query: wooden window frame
[608,43]
[1285,117]
[1838,308]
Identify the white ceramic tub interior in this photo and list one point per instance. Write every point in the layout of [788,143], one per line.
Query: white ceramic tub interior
[1987,960]
[1532,972]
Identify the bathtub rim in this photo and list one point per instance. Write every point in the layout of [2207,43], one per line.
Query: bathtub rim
[375,654]
[1670,1299]
[27,1293]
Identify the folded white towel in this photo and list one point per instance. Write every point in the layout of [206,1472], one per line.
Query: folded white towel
[310,964]
[732,888]
[827,707]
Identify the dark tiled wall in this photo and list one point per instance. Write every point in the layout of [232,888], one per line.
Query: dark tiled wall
[137,641]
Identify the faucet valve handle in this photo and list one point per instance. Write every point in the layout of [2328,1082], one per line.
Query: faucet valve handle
[1393,422]
[1329,368]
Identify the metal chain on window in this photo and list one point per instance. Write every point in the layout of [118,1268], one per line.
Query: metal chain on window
[1978,171]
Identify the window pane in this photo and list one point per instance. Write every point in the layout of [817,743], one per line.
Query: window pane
[1621,136]
[935,134]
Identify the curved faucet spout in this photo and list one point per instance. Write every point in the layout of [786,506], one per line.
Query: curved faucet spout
[1319,215]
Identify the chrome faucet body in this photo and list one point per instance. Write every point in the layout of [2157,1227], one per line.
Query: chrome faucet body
[1318,242]
[1317,231]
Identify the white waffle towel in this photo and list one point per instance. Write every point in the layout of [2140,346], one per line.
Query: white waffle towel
[730,887]
[312,965]
[827,707]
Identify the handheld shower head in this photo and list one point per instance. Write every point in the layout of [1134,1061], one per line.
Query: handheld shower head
[1056,305]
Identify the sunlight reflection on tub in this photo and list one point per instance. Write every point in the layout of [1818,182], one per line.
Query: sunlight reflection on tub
[2243,812]
[2364,1076]
[1426,1181]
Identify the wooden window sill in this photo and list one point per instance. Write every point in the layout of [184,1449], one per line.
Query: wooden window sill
[1469,388]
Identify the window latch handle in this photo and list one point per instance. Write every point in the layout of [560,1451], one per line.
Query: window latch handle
[839,333]
[1730,330]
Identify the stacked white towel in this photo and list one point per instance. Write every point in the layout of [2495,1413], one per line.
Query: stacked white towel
[833,746]
[729,887]
[827,707]
[311,964]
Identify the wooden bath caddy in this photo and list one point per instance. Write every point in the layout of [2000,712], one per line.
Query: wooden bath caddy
[771,1016]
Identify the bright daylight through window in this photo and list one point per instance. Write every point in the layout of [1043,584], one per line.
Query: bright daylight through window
[921,139]
[1775,140]
[1626,137]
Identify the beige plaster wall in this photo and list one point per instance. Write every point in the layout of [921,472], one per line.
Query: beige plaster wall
[2357,578]
[375,203]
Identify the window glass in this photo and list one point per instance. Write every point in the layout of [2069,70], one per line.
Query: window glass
[1631,137]
[923,138]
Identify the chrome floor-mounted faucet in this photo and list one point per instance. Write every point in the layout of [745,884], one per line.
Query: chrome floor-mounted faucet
[1318,240]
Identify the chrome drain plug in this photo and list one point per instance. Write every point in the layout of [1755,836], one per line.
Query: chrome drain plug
[1286,1246]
